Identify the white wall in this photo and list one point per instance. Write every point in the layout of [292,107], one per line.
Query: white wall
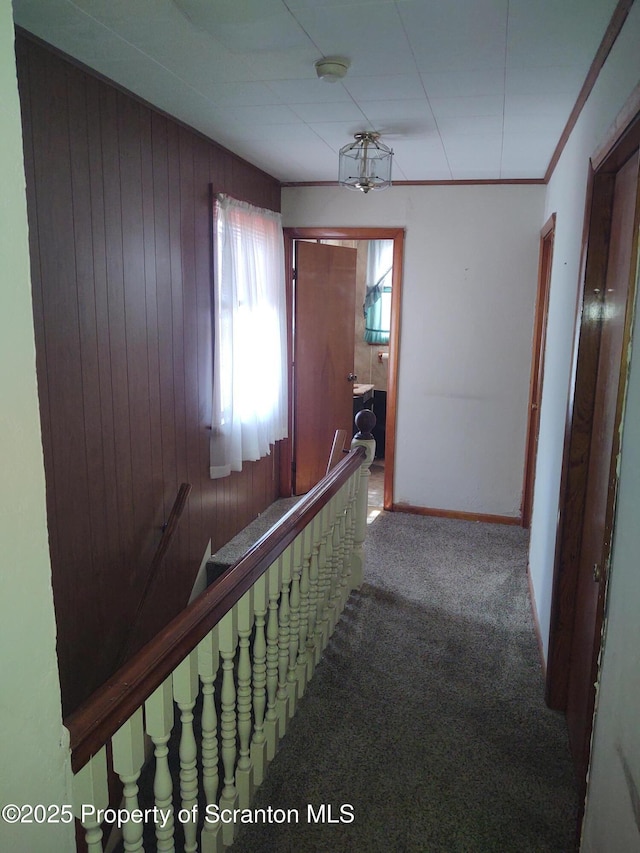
[470,276]
[33,742]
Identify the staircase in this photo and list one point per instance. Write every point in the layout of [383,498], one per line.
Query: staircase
[240,658]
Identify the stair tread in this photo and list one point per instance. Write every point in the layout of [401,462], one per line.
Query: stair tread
[230,553]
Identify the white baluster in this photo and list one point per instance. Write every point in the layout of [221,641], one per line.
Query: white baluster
[91,789]
[259,741]
[334,587]
[303,629]
[342,536]
[128,758]
[363,438]
[294,623]
[348,538]
[244,770]
[282,696]
[345,555]
[322,632]
[185,692]
[228,635]
[328,570]
[313,595]
[330,550]
[274,574]
[158,719]
[208,663]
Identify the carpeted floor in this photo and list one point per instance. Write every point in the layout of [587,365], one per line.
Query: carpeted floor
[426,716]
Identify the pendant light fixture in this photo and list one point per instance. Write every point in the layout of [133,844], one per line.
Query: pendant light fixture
[366,163]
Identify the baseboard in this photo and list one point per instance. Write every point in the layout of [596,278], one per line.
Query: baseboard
[461,516]
[536,624]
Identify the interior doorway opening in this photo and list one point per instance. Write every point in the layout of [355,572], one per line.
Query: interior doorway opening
[372,331]
[547,236]
[372,361]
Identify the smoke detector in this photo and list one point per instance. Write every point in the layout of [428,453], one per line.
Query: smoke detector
[332,68]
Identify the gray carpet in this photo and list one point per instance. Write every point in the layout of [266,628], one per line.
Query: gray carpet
[426,714]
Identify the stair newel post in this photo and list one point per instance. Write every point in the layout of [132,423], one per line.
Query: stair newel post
[128,758]
[228,636]
[274,574]
[294,623]
[208,664]
[259,742]
[304,610]
[91,789]
[284,631]
[244,771]
[185,693]
[365,422]
[159,719]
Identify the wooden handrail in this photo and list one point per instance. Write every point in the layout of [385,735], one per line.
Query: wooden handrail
[168,532]
[102,714]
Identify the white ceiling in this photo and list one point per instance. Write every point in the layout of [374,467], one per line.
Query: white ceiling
[461,89]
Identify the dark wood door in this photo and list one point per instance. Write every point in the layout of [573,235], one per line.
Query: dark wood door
[324,295]
[602,464]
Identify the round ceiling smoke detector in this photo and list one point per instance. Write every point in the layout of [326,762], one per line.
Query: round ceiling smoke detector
[332,68]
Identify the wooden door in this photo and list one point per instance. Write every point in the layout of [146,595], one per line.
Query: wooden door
[612,308]
[537,365]
[324,296]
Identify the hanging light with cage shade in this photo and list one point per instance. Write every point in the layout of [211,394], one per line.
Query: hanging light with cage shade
[366,163]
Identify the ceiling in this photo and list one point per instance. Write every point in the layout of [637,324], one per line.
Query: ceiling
[460,89]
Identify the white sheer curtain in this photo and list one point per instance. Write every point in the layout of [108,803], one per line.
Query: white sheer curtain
[250,335]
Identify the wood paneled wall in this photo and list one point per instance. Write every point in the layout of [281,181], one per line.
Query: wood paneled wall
[119,216]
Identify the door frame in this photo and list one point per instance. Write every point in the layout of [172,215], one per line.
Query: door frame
[547,235]
[326,233]
[604,166]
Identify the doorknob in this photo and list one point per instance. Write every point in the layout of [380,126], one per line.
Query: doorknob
[351,377]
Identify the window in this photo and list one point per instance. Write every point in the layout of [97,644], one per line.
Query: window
[377,303]
[250,335]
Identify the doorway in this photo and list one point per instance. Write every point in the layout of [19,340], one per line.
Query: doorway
[590,463]
[537,365]
[390,353]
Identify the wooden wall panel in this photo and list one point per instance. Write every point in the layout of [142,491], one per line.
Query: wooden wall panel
[120,236]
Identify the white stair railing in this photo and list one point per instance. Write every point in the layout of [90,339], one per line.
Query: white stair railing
[263,625]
